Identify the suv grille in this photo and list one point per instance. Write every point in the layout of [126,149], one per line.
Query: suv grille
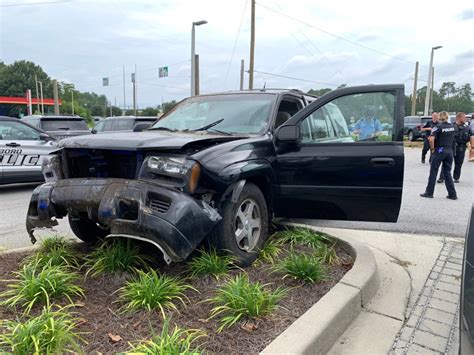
[101,163]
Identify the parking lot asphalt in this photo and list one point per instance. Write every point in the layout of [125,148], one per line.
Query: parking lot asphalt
[437,217]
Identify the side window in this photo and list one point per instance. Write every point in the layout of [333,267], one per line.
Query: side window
[99,127]
[286,109]
[17,131]
[108,125]
[352,118]
[123,125]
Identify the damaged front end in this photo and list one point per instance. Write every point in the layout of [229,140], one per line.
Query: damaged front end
[163,214]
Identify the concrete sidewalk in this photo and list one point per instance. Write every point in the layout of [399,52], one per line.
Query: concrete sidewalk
[416,309]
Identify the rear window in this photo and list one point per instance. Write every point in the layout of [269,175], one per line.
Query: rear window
[64,125]
[124,125]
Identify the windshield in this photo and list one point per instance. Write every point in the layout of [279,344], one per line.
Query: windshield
[240,113]
[64,124]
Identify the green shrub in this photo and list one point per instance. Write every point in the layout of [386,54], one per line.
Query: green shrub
[327,254]
[150,291]
[176,342]
[210,263]
[240,299]
[270,251]
[50,332]
[302,236]
[38,285]
[54,251]
[117,255]
[307,268]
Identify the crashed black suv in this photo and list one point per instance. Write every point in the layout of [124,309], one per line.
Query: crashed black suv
[222,166]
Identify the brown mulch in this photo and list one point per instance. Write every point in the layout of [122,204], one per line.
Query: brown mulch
[102,320]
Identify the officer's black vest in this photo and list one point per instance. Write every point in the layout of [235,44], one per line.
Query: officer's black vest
[461,136]
[445,137]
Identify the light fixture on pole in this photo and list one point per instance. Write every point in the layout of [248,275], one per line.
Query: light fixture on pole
[428,86]
[193,62]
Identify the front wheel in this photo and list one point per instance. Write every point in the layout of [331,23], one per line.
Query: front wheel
[86,229]
[244,226]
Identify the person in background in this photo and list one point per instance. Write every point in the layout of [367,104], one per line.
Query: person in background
[441,146]
[426,129]
[368,127]
[462,133]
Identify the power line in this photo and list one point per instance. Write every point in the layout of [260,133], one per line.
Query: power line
[36,3]
[235,44]
[335,35]
[293,78]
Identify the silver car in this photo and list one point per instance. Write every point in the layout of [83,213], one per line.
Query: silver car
[59,126]
[22,149]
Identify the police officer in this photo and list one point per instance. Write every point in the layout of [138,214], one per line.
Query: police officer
[441,144]
[462,133]
[426,129]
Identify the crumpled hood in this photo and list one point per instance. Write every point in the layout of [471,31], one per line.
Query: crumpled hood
[142,140]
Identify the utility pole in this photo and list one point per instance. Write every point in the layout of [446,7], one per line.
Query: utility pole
[56,98]
[72,101]
[196,74]
[28,100]
[252,45]
[124,104]
[428,85]
[413,96]
[242,63]
[193,50]
[37,96]
[41,93]
[134,80]
[432,89]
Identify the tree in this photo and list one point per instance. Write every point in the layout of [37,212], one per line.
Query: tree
[447,89]
[116,111]
[342,86]
[97,110]
[464,92]
[19,76]
[166,106]
[149,111]
[319,92]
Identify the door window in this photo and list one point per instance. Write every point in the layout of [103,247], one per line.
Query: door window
[286,109]
[17,131]
[352,118]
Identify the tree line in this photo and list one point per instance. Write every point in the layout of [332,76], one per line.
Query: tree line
[19,76]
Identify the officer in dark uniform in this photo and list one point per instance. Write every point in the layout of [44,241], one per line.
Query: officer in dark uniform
[426,129]
[462,134]
[441,144]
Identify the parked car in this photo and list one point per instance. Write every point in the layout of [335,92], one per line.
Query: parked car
[124,123]
[222,166]
[59,126]
[412,126]
[22,149]
[466,325]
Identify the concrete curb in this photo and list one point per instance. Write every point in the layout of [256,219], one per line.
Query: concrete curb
[316,331]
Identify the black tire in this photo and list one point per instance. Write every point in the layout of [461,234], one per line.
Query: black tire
[86,229]
[224,236]
[411,136]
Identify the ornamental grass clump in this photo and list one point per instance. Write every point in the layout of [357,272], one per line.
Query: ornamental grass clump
[303,236]
[50,332]
[327,254]
[38,285]
[54,251]
[307,268]
[151,291]
[210,263]
[117,255]
[170,342]
[239,299]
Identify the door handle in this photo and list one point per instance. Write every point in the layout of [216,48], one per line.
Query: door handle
[382,161]
[13,144]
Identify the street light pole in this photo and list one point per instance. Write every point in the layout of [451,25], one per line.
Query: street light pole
[428,86]
[41,95]
[193,50]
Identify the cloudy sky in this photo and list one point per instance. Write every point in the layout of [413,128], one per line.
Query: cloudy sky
[322,43]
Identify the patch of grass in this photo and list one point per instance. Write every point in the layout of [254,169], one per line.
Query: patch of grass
[54,251]
[240,299]
[307,268]
[38,285]
[170,342]
[151,291]
[302,236]
[270,251]
[210,263]
[50,332]
[117,255]
[327,254]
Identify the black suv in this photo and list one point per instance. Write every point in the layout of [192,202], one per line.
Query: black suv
[413,125]
[124,123]
[222,166]
[59,126]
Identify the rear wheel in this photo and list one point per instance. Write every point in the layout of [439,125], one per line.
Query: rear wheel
[244,226]
[86,229]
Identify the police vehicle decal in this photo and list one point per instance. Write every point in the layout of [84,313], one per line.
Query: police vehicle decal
[14,157]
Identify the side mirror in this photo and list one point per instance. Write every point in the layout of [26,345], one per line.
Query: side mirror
[288,134]
[142,126]
[93,131]
[45,137]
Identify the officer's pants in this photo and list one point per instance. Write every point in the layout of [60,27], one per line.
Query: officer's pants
[459,155]
[445,158]
[426,147]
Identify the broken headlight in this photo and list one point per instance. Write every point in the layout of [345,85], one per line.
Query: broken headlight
[51,167]
[173,171]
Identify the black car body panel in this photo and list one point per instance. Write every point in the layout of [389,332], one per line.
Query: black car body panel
[109,176]
[467,291]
